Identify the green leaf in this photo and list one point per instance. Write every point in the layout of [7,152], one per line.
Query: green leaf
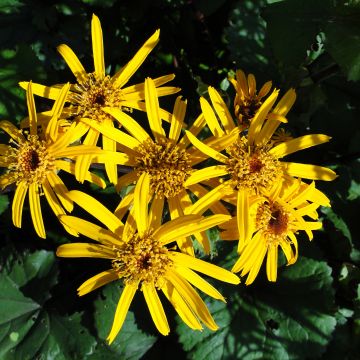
[290,319]
[131,342]
[29,327]
[4,203]
[343,43]
[337,221]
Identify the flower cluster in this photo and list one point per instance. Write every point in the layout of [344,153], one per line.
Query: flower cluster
[179,182]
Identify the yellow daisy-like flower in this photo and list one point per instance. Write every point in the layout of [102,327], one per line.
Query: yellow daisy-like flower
[252,164]
[273,223]
[142,256]
[34,159]
[94,91]
[169,161]
[247,100]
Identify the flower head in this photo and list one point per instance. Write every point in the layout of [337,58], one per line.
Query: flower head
[142,256]
[33,159]
[96,90]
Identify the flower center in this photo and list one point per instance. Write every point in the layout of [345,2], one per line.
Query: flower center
[91,96]
[252,167]
[142,259]
[168,166]
[274,220]
[245,109]
[30,160]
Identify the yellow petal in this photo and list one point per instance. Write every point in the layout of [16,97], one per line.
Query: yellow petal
[97,47]
[205,174]
[91,230]
[156,212]
[123,76]
[129,124]
[49,92]
[252,85]
[221,110]
[124,205]
[12,130]
[265,89]
[285,103]
[180,305]
[206,149]
[140,87]
[32,110]
[259,118]
[18,203]
[156,309]
[210,118]
[243,84]
[152,109]
[97,281]
[204,267]
[243,218]
[196,280]
[141,194]
[186,226]
[192,298]
[177,119]
[195,129]
[308,171]
[272,262]
[300,143]
[76,250]
[121,310]
[60,190]
[110,145]
[256,266]
[35,210]
[74,64]
[99,211]
[126,179]
[55,205]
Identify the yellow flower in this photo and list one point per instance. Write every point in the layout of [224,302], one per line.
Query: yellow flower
[274,221]
[252,164]
[96,90]
[142,256]
[247,101]
[34,159]
[169,161]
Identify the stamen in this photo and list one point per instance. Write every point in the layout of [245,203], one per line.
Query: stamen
[142,259]
[252,167]
[168,166]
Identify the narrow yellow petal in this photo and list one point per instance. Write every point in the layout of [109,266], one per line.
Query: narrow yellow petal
[206,149]
[97,281]
[95,208]
[7,179]
[300,143]
[55,205]
[195,129]
[177,120]
[141,193]
[156,212]
[272,263]
[252,85]
[155,307]
[123,76]
[152,109]
[52,127]
[75,250]
[285,103]
[221,110]
[186,226]
[196,280]
[205,174]
[140,87]
[126,179]
[35,210]
[12,130]
[110,145]
[259,118]
[124,205]
[204,267]
[129,124]
[97,47]
[31,110]
[211,118]
[49,92]
[308,171]
[243,84]
[121,310]
[256,267]
[243,218]
[130,226]
[91,230]
[265,89]
[286,248]
[18,203]
[192,298]
[180,305]
[61,191]
[74,64]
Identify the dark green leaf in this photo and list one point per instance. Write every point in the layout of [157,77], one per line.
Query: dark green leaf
[290,319]
[4,203]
